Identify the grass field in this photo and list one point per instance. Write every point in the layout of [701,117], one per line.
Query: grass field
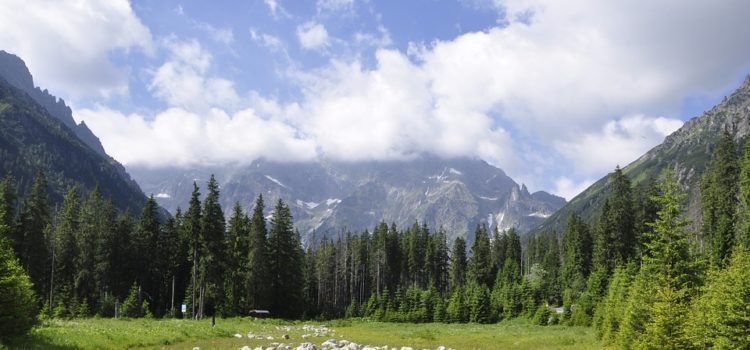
[183,334]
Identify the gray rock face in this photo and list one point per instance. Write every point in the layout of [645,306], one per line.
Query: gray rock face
[328,197]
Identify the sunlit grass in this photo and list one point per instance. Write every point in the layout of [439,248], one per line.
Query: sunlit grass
[186,334]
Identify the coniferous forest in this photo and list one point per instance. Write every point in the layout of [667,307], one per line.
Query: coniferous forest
[635,273]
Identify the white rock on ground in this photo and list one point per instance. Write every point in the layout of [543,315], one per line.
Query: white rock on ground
[238,336]
[245,348]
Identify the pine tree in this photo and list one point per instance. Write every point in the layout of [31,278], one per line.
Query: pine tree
[576,251]
[719,318]
[458,266]
[257,269]
[213,261]
[34,221]
[743,210]
[480,265]
[145,239]
[719,189]
[237,242]
[192,231]
[666,282]
[286,264]
[18,306]
[66,249]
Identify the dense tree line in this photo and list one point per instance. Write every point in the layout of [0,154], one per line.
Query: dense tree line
[635,273]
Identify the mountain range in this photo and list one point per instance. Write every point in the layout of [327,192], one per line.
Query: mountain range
[328,197]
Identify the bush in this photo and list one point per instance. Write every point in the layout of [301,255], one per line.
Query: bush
[18,304]
[542,316]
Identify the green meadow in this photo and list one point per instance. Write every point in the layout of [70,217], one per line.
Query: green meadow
[97,333]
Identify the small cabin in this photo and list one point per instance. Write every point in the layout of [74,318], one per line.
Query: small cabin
[260,313]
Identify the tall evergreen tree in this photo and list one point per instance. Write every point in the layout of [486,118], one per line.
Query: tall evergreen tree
[17,300]
[286,264]
[145,241]
[743,210]
[458,264]
[576,251]
[192,231]
[35,220]
[257,269]
[480,263]
[616,240]
[237,243]
[719,189]
[66,249]
[213,261]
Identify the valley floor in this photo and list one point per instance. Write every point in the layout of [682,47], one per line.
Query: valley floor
[233,334]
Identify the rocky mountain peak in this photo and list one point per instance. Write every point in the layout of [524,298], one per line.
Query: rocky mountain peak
[14,70]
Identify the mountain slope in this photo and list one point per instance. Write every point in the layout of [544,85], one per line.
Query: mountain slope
[15,72]
[687,151]
[31,139]
[327,197]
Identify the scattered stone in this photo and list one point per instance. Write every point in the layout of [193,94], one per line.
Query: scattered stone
[269,338]
[306,346]
[330,343]
[406,348]
[245,348]
[196,348]
[238,336]
[305,336]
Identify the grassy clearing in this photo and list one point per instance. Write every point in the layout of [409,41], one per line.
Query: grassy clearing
[184,334]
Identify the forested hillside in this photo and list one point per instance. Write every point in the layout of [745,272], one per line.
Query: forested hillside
[687,151]
[31,140]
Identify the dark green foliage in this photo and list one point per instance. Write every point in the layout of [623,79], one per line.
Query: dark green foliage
[615,240]
[286,264]
[743,210]
[719,189]
[135,306]
[18,306]
[458,264]
[576,252]
[34,224]
[212,262]
[32,140]
[610,311]
[480,264]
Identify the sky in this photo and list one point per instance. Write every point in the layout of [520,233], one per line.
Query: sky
[556,93]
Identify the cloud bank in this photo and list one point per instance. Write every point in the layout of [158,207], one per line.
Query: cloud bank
[564,88]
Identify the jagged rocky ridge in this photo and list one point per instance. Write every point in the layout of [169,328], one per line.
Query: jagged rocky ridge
[39,133]
[327,198]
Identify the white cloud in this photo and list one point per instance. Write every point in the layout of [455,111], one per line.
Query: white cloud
[271,42]
[277,11]
[67,44]
[568,188]
[335,6]
[570,88]
[183,80]
[179,137]
[618,143]
[312,36]
[220,35]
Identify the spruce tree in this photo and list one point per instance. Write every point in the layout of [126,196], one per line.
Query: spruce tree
[66,249]
[286,264]
[576,251]
[18,304]
[213,261]
[257,261]
[743,210]
[192,231]
[458,264]
[480,264]
[35,221]
[146,261]
[719,199]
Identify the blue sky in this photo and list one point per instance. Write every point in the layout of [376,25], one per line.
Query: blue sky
[555,93]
